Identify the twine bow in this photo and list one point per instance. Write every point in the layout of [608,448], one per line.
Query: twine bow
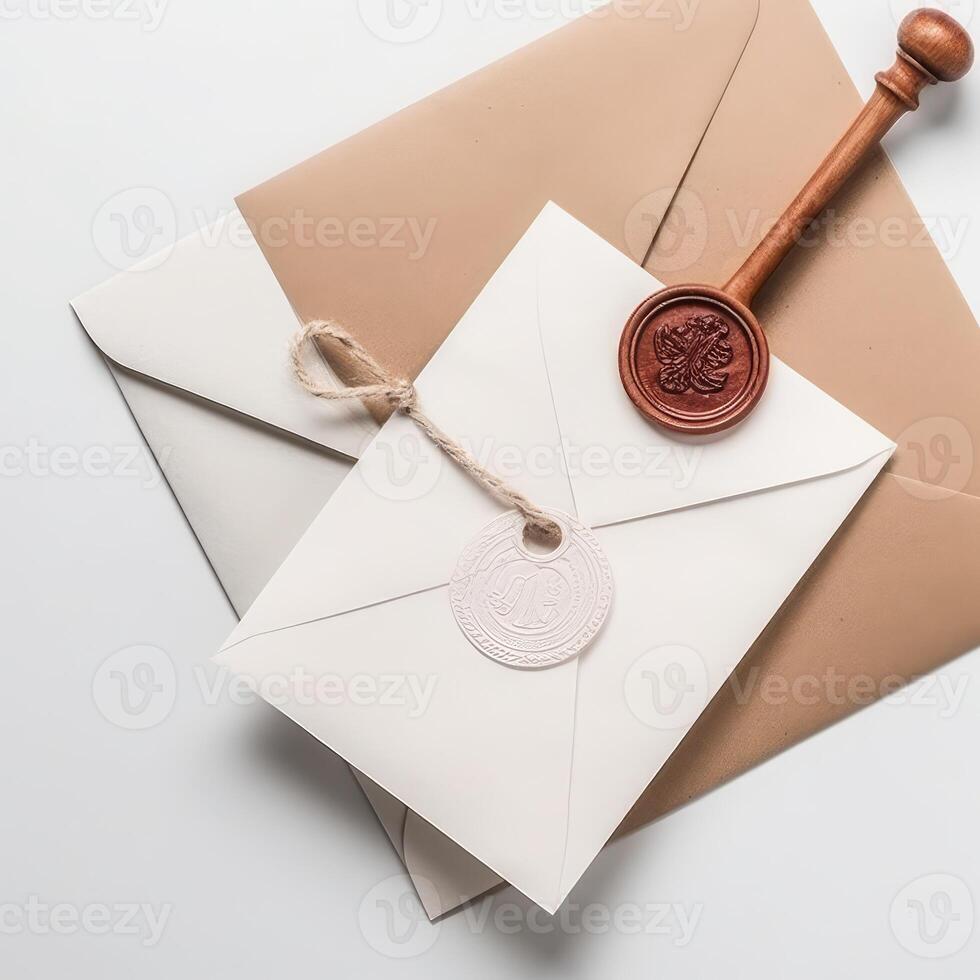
[402,397]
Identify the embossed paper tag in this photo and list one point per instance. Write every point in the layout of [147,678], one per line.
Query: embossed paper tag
[528,610]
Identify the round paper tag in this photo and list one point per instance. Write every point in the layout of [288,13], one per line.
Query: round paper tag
[527,610]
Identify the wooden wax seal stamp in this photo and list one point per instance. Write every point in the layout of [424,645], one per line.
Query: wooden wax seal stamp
[694,359]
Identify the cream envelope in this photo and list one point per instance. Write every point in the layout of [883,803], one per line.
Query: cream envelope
[197,345]
[704,546]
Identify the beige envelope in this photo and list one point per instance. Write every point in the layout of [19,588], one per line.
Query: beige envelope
[624,119]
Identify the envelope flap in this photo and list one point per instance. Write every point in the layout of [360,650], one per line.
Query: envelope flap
[398,524]
[209,318]
[621,466]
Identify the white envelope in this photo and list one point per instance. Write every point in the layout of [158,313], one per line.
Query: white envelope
[532,772]
[199,346]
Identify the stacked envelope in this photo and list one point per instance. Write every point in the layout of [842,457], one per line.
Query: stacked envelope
[761,551]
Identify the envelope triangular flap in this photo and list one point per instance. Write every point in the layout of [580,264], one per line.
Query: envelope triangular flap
[210,319]
[621,466]
[487,387]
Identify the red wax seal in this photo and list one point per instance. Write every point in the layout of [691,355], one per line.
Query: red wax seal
[694,360]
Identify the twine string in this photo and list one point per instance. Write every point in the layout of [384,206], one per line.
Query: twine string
[402,397]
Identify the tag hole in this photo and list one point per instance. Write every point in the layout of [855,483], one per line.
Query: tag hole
[542,545]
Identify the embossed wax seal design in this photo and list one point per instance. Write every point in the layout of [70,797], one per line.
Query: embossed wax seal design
[692,353]
[526,610]
[693,360]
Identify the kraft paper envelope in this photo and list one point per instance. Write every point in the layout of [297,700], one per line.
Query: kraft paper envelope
[891,598]
[679,147]
[704,547]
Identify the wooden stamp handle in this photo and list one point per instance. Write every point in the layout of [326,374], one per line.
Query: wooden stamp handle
[932,48]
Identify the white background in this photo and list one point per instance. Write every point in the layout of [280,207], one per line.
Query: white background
[252,842]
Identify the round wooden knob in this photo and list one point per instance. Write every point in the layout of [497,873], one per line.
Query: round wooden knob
[938,43]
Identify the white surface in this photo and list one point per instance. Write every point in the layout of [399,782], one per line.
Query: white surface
[796,869]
